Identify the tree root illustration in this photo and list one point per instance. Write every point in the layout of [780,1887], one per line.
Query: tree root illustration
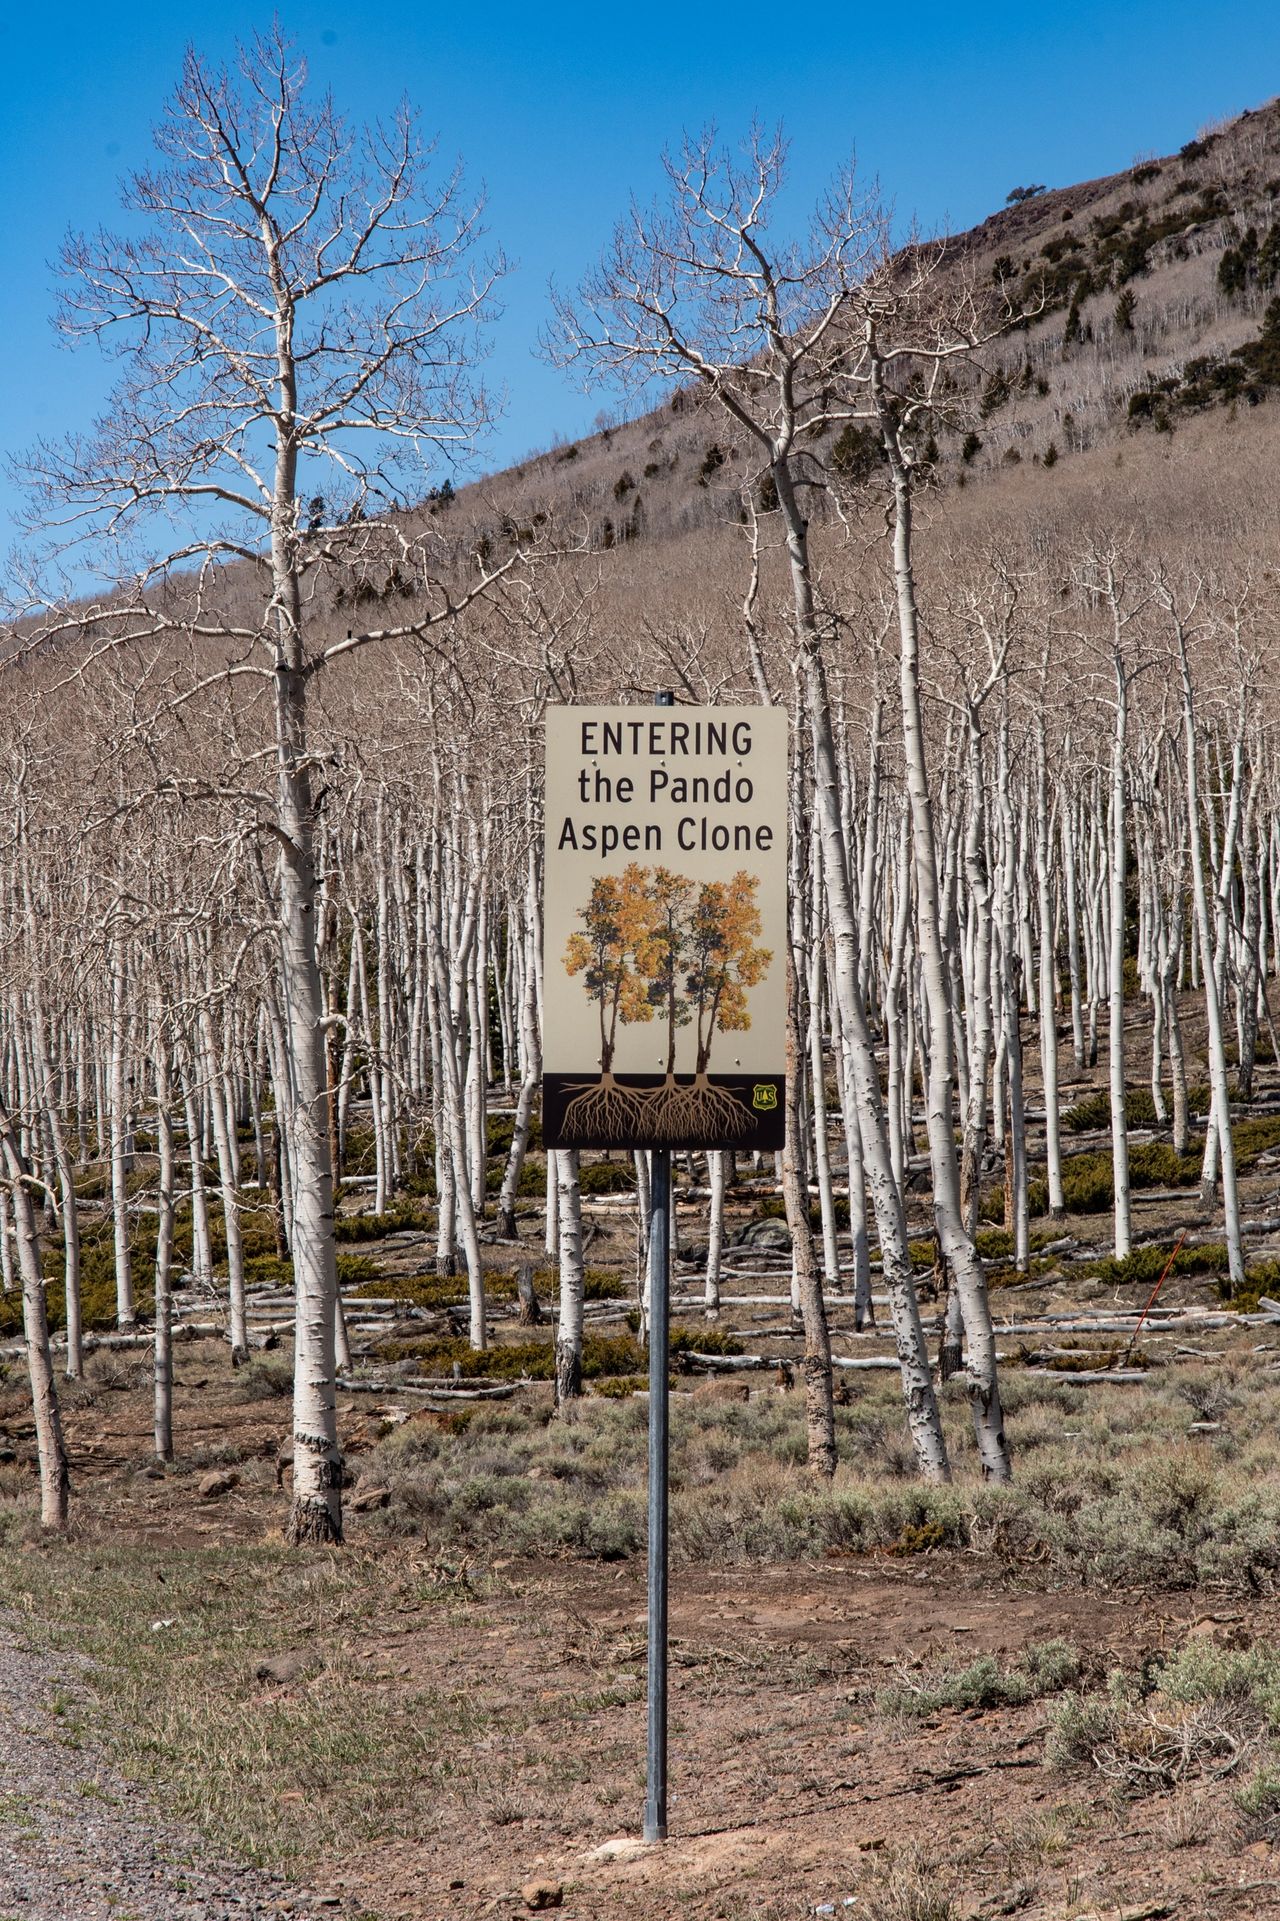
[699,1112]
[603,1110]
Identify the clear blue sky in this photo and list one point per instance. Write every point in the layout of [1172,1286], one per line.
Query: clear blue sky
[563,110]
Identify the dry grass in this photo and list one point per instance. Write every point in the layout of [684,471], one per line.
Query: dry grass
[1111,1488]
[1205,1714]
[174,1642]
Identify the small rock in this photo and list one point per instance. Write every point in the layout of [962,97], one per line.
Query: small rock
[279,1669]
[624,1847]
[213,1486]
[542,1894]
[767,1233]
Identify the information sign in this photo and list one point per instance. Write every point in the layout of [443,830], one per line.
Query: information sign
[664,968]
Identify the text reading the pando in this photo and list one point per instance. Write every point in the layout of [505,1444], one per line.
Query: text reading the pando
[722,748]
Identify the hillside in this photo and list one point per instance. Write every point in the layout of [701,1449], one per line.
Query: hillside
[1151,289]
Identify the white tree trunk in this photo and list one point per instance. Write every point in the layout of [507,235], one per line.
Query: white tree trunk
[569,1322]
[163,1382]
[957,1246]
[1119,1124]
[55,1477]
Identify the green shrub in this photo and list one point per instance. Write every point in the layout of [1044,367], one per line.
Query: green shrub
[1191,1715]
[607,1177]
[712,460]
[703,1340]
[1259,1800]
[400,1218]
[1046,1667]
[619,1386]
[532,1360]
[265,1377]
[1146,1264]
[857,454]
[531,1185]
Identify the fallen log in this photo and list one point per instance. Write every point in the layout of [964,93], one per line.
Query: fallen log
[732,1363]
[440,1390]
[1087,1377]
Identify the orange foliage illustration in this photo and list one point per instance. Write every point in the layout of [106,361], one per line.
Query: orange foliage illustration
[655,945]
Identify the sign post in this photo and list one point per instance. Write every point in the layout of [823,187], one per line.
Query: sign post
[664,991]
[655,1805]
[655,1801]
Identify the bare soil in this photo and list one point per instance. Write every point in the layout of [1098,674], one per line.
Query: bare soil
[787,1794]
[514,1689]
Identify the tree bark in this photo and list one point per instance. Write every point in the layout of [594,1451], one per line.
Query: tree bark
[957,1246]
[820,1418]
[569,1324]
[55,1475]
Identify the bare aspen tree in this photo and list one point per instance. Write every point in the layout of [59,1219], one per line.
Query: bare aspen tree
[1048,957]
[1104,580]
[297,331]
[164,1255]
[696,289]
[47,1081]
[569,1322]
[1182,615]
[897,411]
[55,1475]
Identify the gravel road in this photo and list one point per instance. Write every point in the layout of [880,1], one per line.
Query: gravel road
[79,1843]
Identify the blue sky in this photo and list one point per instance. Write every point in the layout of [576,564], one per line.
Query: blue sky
[563,111]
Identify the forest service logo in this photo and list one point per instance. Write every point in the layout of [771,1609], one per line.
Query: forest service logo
[764,1097]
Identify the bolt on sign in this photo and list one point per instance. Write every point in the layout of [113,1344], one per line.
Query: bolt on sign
[665,927]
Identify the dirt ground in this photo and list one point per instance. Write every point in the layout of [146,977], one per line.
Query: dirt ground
[514,1687]
[787,1796]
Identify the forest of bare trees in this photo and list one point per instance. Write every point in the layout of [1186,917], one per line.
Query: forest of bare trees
[272,858]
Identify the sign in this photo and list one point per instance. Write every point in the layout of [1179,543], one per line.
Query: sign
[665,927]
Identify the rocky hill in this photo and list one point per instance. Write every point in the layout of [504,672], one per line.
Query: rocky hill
[1155,297]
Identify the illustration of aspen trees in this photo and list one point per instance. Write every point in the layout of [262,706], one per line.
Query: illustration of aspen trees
[656,945]
[660,956]
[720,961]
[615,923]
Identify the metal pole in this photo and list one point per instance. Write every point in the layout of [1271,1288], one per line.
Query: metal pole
[655,1806]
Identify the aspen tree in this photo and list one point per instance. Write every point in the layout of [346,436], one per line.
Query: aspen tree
[48,1094]
[1103,576]
[55,1476]
[569,1322]
[696,289]
[1181,614]
[299,322]
[895,419]
[163,1379]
